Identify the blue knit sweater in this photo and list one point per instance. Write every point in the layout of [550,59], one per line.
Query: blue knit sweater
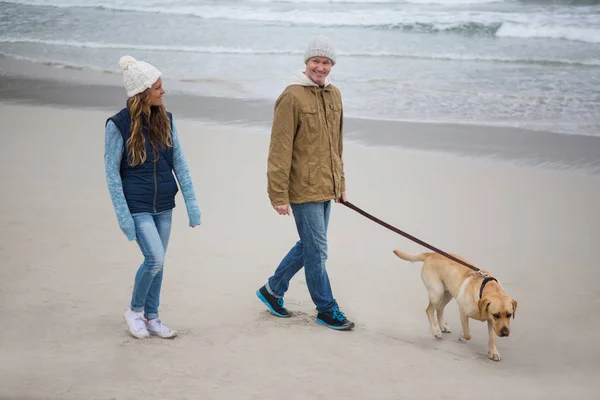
[113,151]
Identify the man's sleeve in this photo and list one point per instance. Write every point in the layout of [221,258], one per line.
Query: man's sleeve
[285,122]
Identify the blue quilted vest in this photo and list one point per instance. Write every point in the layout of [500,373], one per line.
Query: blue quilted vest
[148,187]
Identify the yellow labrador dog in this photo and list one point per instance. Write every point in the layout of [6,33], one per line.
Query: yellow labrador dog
[479,297]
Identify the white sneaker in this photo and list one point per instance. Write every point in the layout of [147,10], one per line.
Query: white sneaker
[157,328]
[137,324]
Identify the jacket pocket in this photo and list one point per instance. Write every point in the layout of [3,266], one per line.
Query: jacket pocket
[309,118]
[336,107]
[335,112]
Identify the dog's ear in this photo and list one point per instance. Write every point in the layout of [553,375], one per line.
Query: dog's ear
[483,304]
[514,303]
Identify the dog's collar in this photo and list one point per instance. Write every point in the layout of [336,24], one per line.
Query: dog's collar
[485,281]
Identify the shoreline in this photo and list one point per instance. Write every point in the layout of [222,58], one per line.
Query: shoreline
[39,84]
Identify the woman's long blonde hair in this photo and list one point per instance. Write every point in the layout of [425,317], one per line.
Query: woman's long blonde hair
[159,128]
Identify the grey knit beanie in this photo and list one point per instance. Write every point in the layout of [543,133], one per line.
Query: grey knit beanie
[320,46]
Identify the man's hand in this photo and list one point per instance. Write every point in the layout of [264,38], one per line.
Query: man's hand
[342,199]
[283,210]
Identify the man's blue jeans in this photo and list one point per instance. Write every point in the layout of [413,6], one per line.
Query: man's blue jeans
[152,231]
[309,252]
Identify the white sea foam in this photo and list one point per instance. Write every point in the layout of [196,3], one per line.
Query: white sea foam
[540,24]
[536,30]
[258,51]
[508,62]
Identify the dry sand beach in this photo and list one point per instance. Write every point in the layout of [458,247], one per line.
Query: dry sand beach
[66,271]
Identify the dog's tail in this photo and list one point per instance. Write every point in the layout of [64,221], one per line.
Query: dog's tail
[410,257]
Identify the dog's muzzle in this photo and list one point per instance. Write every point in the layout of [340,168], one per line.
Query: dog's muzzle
[504,332]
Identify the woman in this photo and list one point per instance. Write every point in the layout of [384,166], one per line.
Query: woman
[142,150]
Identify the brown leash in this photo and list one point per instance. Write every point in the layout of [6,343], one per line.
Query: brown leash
[406,235]
[487,278]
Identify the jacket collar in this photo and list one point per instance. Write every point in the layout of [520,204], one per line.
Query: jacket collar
[302,80]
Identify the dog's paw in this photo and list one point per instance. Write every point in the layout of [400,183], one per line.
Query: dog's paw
[446,329]
[463,339]
[494,356]
[437,334]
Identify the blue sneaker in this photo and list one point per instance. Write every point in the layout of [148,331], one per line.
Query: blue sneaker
[274,304]
[335,320]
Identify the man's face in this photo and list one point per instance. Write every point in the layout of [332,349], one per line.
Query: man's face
[317,69]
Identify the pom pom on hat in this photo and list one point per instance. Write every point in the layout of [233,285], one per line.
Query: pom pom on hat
[126,61]
[137,75]
[320,46]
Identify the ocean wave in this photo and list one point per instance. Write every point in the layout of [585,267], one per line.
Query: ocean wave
[60,64]
[589,35]
[464,28]
[109,4]
[479,58]
[583,26]
[125,46]
[440,2]
[592,62]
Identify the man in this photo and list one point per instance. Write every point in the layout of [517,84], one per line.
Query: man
[305,172]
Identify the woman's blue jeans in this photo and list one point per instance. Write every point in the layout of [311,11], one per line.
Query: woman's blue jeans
[309,252]
[152,231]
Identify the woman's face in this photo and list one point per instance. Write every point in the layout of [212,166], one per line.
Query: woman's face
[156,93]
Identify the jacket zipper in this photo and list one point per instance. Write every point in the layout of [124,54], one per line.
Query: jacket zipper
[155,188]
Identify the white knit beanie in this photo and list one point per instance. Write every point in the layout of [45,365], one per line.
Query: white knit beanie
[320,46]
[137,75]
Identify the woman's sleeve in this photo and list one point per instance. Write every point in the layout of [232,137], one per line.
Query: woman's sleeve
[185,180]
